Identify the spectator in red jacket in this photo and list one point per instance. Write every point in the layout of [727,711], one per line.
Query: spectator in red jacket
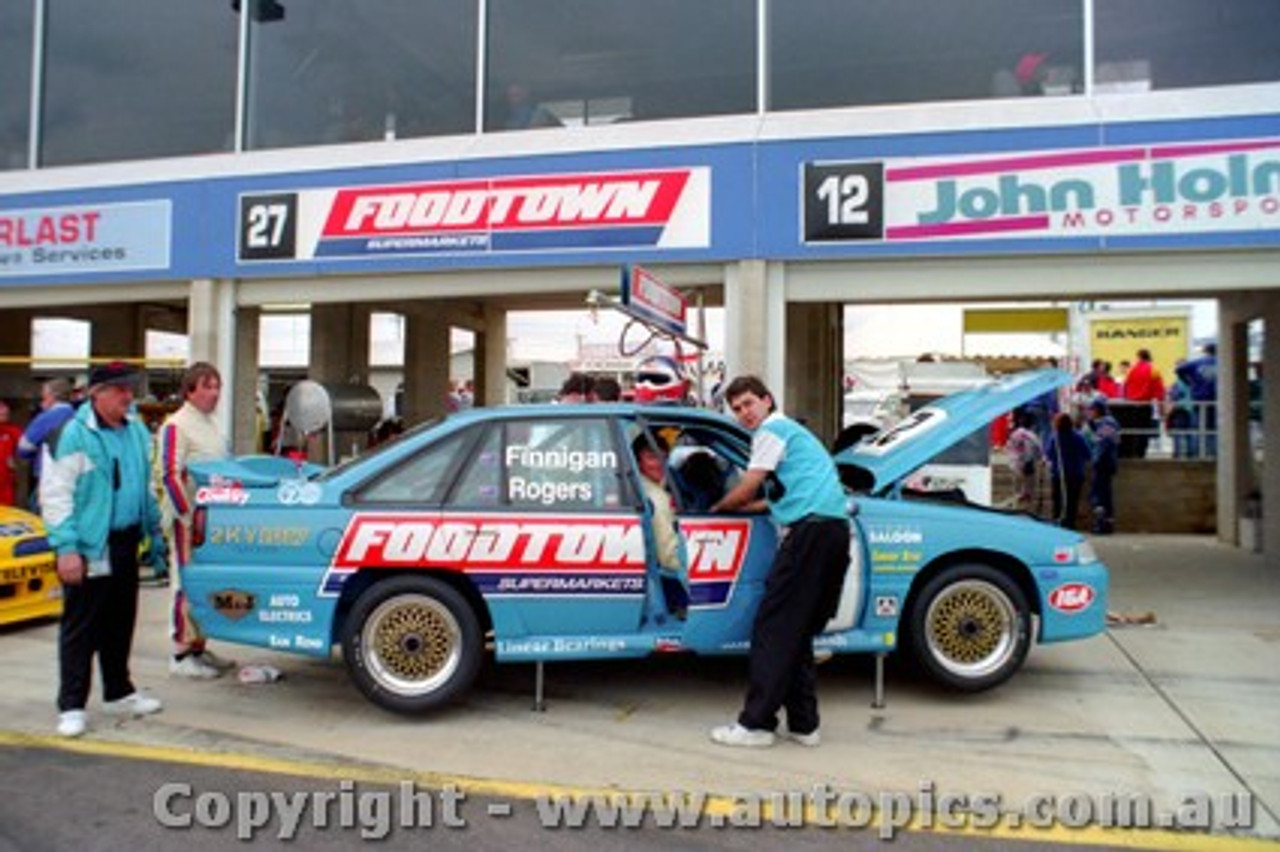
[1143,385]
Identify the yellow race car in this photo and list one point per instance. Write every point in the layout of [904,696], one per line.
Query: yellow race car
[29,586]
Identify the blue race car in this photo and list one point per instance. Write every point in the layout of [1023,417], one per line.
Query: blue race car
[523,529]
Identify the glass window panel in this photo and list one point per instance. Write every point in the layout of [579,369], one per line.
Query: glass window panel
[831,53]
[574,62]
[1167,44]
[15,82]
[423,479]
[480,485]
[562,464]
[332,71]
[125,80]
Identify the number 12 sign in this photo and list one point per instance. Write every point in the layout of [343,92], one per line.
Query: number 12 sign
[843,201]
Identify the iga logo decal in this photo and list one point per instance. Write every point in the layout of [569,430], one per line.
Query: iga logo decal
[1072,597]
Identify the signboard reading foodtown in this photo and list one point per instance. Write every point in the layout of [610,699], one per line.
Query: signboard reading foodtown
[667,208]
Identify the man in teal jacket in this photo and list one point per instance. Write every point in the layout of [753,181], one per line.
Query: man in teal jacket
[97,505]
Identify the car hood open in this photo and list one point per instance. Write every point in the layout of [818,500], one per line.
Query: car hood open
[897,452]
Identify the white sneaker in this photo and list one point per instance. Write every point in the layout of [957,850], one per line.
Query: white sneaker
[137,704]
[736,735]
[193,667]
[811,739]
[211,659]
[72,723]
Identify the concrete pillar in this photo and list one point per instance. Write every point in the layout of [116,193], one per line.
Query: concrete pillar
[16,380]
[745,308]
[117,331]
[211,332]
[426,363]
[814,365]
[241,390]
[1271,425]
[491,358]
[339,344]
[1235,465]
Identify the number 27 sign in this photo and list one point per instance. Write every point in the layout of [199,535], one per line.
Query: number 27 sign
[268,226]
[843,201]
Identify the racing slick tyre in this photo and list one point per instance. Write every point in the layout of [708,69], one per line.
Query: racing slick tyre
[412,644]
[970,627]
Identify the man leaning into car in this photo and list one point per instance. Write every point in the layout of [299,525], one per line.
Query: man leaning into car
[803,494]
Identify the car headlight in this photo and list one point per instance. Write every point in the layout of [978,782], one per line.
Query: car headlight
[1085,554]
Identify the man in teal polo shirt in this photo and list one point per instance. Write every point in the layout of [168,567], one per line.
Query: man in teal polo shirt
[803,493]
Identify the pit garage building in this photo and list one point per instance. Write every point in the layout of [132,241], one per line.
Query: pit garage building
[188,168]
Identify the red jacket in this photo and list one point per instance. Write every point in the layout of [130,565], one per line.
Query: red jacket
[1143,383]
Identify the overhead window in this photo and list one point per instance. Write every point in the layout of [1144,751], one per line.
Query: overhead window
[575,62]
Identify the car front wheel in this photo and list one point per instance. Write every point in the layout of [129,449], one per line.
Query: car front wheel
[412,644]
[970,627]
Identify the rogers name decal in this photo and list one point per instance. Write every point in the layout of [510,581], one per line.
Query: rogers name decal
[1072,597]
[660,208]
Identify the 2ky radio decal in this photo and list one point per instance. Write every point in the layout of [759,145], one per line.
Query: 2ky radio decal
[843,201]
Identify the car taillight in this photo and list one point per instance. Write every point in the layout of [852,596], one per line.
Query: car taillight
[198,522]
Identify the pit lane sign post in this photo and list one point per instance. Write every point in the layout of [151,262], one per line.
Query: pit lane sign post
[657,306]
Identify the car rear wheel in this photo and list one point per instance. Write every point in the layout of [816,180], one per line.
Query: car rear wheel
[970,627]
[412,644]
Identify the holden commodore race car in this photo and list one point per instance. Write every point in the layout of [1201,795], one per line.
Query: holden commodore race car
[523,530]
[29,586]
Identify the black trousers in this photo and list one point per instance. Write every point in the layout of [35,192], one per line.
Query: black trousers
[98,617]
[800,596]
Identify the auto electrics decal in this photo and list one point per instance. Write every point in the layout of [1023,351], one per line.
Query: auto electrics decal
[1188,188]
[663,208]
[568,555]
[716,550]
[1072,597]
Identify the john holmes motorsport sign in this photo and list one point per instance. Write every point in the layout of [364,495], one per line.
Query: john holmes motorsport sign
[1189,188]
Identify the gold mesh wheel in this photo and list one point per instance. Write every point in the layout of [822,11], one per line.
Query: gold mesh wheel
[412,644]
[970,628]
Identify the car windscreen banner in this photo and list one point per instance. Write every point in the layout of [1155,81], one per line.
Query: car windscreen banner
[649,209]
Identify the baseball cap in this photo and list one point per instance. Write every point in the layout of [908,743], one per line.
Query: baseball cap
[113,373]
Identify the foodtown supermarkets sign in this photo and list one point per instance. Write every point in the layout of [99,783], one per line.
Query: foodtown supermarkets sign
[667,208]
[1092,192]
[85,238]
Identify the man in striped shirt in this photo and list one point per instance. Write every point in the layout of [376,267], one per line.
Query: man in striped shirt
[189,434]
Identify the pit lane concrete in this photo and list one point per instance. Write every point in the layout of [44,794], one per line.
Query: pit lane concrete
[1188,705]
